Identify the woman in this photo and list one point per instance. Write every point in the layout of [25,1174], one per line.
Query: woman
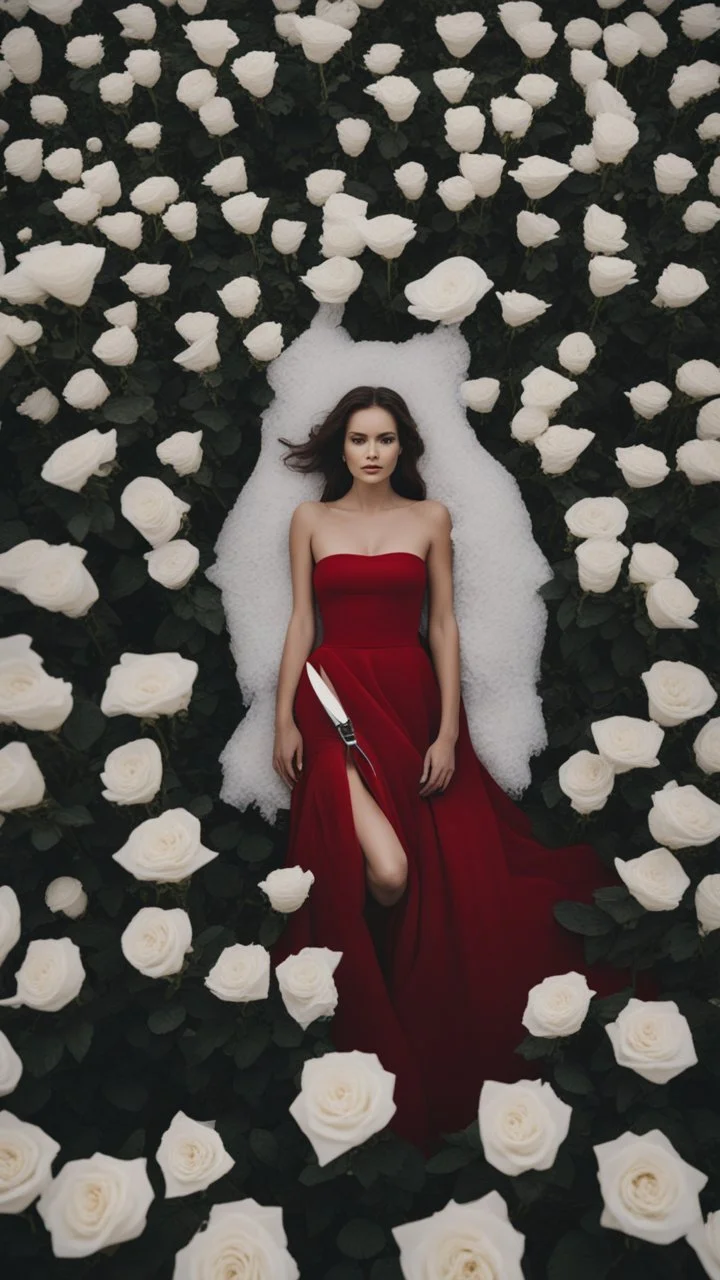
[427,877]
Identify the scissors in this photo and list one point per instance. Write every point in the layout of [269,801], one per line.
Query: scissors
[336,711]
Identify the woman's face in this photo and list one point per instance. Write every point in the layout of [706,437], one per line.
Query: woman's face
[371,439]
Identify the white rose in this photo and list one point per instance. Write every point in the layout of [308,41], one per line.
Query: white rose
[706,747]
[560,447]
[704,1238]
[381,59]
[66,894]
[483,172]
[476,1236]
[22,51]
[181,220]
[622,44]
[707,903]
[521,1125]
[586,68]
[65,164]
[307,985]
[40,405]
[545,389]
[709,129]
[132,773]
[241,1232]
[49,977]
[583,158]
[353,135]
[453,82]
[599,562]
[240,296]
[698,378]
[641,466]
[397,94]
[582,33]
[117,346]
[105,180]
[173,564]
[334,280]
[529,423]
[182,451]
[11,1067]
[144,66]
[609,275]
[460,32]
[148,279]
[67,273]
[138,22]
[464,128]
[597,517]
[320,40]
[217,116]
[673,173]
[671,603]
[166,849]
[648,399]
[539,175]
[449,292]
[651,563]
[286,236]
[71,464]
[708,421]
[154,195]
[196,88]
[16,563]
[613,137]
[536,89]
[211,39]
[520,308]
[677,692]
[558,1005]
[534,229]
[700,21]
[10,922]
[95,1203]
[28,695]
[344,1099]
[256,71]
[480,394]
[156,941]
[627,742]
[653,40]
[517,13]
[191,1155]
[145,136]
[653,1039]
[21,783]
[153,509]
[587,780]
[576,351]
[240,973]
[388,234]
[124,229]
[512,116]
[86,390]
[656,879]
[59,581]
[456,193]
[28,1153]
[265,341]
[227,176]
[647,1189]
[287,888]
[679,286]
[116,88]
[683,818]
[699,460]
[323,183]
[149,685]
[535,38]
[85,51]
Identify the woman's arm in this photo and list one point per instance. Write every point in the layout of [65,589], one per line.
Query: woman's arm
[443,636]
[301,627]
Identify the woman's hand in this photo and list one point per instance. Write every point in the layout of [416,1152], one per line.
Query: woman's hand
[438,766]
[288,745]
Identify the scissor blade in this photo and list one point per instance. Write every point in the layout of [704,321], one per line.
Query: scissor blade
[331,703]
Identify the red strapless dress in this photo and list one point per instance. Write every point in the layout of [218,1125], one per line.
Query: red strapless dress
[475,928]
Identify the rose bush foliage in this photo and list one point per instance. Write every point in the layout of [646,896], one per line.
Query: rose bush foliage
[104,1068]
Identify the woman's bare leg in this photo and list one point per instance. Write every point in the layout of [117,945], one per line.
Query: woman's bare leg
[385,856]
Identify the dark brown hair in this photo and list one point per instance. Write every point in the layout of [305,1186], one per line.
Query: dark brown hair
[322,451]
